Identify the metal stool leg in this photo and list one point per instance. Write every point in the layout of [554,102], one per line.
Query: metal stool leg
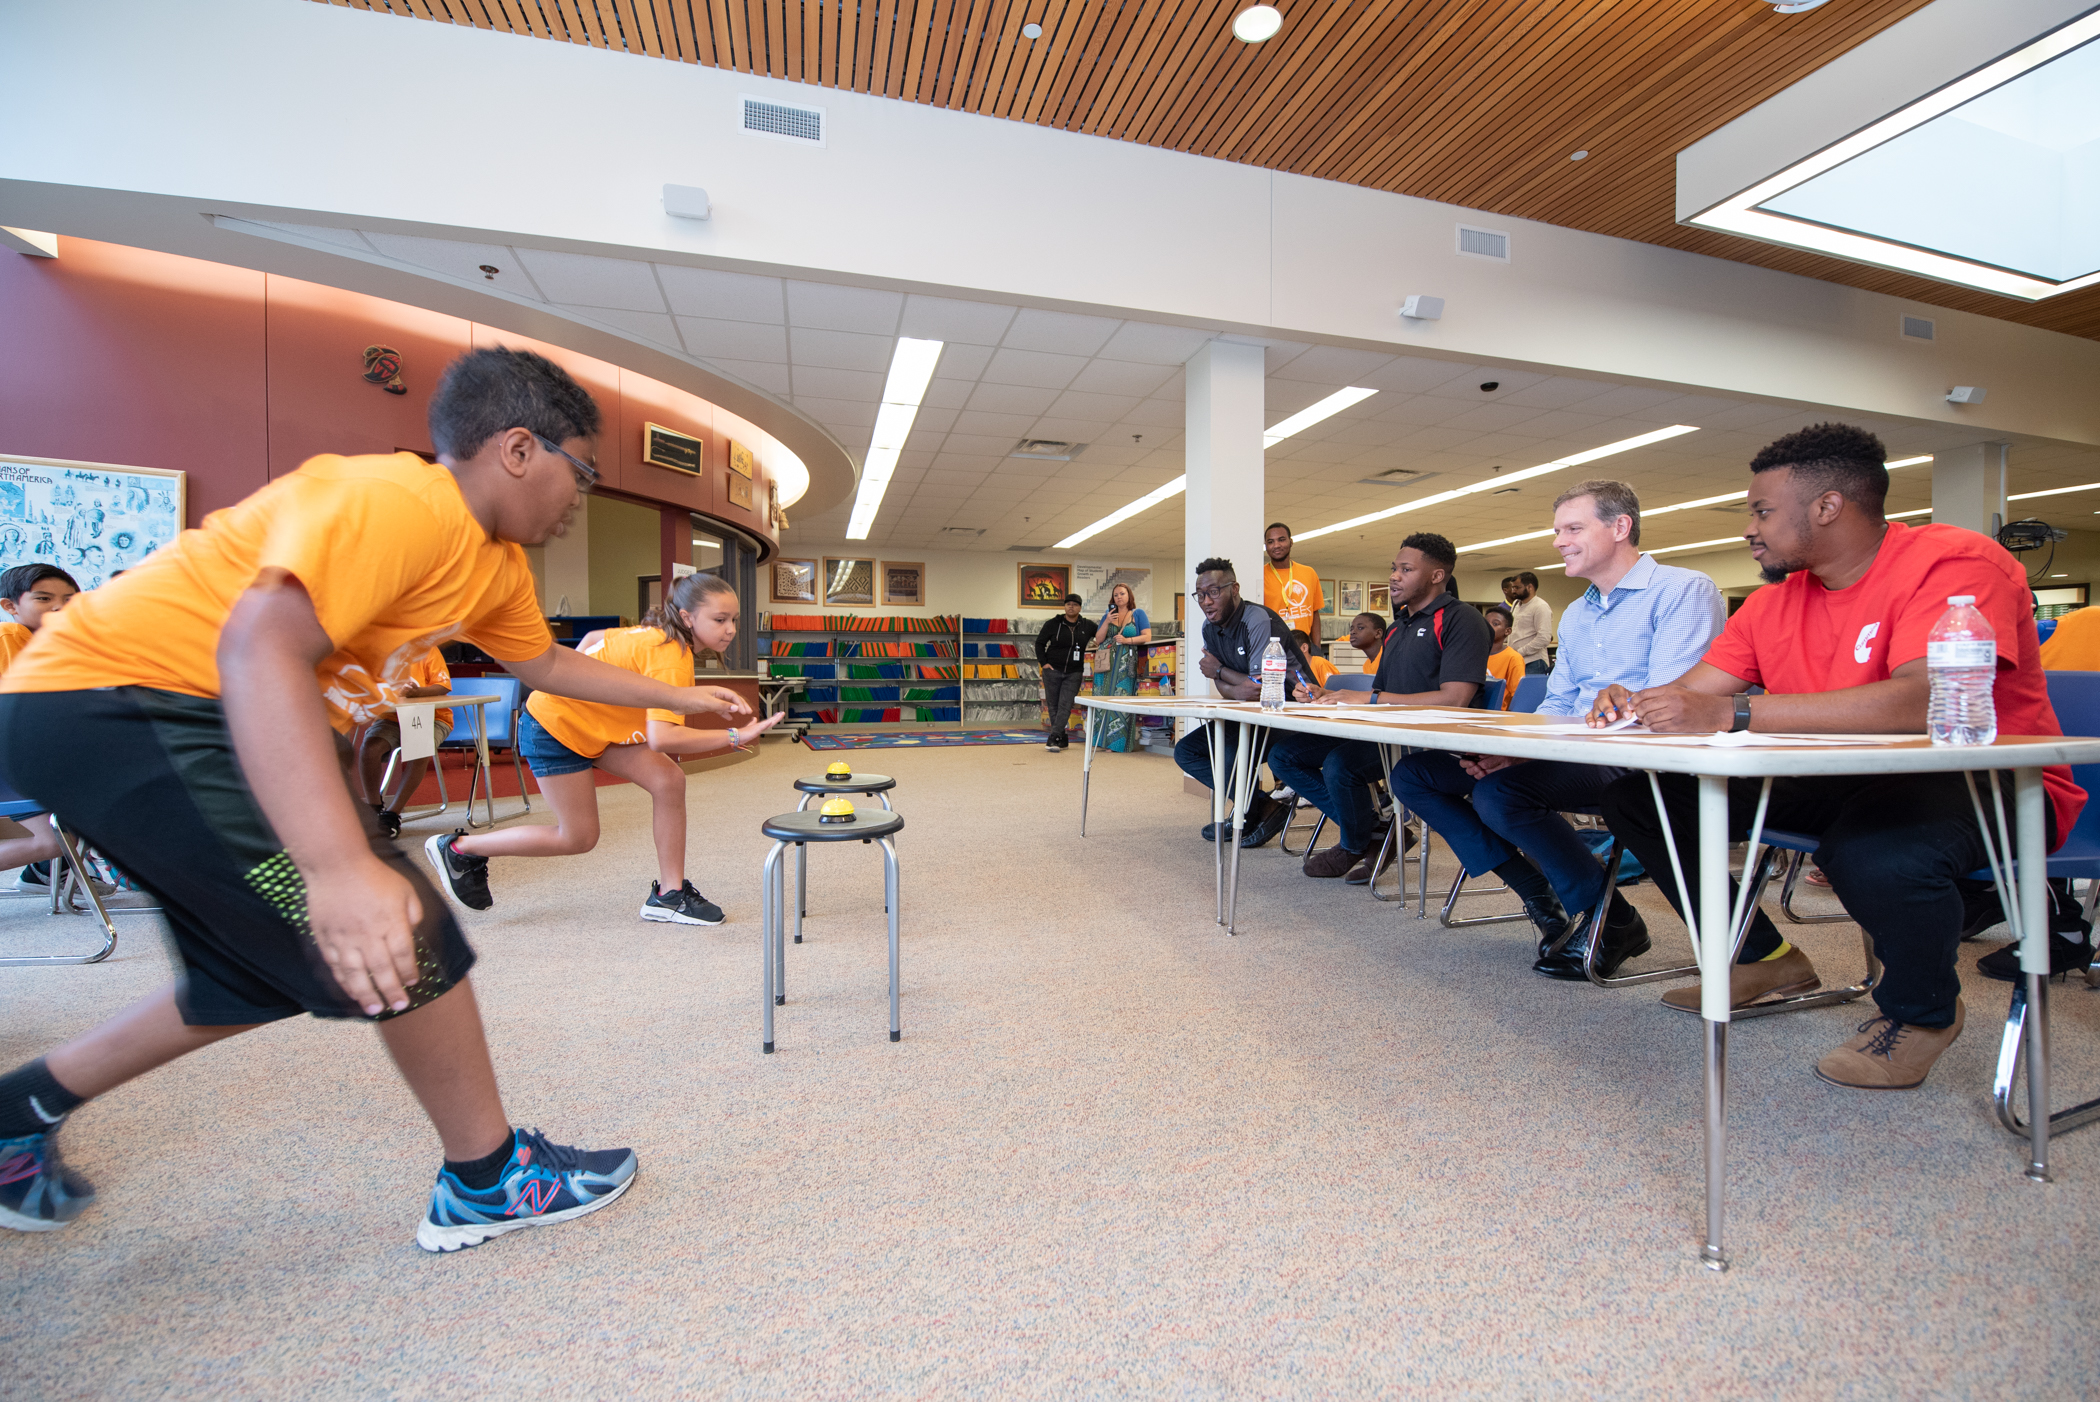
[769,928]
[780,968]
[801,887]
[890,892]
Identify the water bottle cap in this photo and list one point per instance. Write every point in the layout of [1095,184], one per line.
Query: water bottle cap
[1960,599]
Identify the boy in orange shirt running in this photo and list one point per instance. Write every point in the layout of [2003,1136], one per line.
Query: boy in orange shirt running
[179,718]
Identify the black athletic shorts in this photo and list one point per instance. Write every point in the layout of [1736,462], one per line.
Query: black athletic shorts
[150,777]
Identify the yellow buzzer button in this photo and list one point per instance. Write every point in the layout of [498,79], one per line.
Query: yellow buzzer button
[839,769]
[836,810]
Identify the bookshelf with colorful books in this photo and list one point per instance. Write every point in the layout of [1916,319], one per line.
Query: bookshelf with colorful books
[867,668]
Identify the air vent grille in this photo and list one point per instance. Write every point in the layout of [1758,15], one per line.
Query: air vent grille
[1483,243]
[1047,449]
[784,120]
[1396,477]
[1917,328]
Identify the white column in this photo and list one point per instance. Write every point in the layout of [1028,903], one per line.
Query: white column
[1968,488]
[1224,504]
[565,563]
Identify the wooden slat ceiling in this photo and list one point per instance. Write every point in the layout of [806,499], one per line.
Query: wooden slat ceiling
[1474,102]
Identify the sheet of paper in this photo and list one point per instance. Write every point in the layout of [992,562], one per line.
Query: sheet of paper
[418,720]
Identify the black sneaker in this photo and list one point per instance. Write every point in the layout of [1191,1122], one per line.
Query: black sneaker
[2065,957]
[34,877]
[38,1193]
[389,823]
[684,906]
[465,877]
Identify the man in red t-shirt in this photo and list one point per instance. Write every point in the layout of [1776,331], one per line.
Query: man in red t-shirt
[1838,643]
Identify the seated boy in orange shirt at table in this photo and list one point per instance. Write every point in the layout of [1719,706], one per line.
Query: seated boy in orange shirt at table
[28,593]
[377,738]
[1504,661]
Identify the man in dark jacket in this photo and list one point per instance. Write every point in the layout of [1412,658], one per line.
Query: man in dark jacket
[1061,648]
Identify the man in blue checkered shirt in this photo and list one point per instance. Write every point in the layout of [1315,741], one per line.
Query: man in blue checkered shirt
[1639,624]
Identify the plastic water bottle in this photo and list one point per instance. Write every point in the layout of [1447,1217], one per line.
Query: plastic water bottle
[1961,658]
[1273,667]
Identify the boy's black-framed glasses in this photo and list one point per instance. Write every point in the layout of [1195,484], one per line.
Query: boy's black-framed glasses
[586,475]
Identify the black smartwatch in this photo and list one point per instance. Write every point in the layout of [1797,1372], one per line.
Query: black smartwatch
[1742,712]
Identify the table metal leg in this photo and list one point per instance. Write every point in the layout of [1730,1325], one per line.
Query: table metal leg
[1086,763]
[769,929]
[1243,768]
[2033,869]
[1220,778]
[890,891]
[1716,950]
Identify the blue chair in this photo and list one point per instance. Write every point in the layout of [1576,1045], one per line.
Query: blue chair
[466,729]
[66,868]
[1351,681]
[1531,691]
[1493,700]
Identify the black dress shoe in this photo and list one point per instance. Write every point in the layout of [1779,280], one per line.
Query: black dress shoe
[1263,830]
[2065,957]
[1624,940]
[1210,831]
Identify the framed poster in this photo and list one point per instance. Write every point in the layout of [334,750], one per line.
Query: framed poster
[1349,597]
[1328,602]
[90,519]
[903,585]
[849,581]
[794,581]
[1044,586]
[1380,598]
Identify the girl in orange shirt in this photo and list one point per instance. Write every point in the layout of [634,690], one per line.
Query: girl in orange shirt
[563,740]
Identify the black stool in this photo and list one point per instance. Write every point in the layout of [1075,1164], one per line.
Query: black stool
[828,785]
[802,828]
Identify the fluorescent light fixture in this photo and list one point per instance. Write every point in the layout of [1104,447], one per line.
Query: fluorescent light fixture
[1305,418]
[1122,514]
[1672,549]
[1982,197]
[911,367]
[2052,492]
[1900,515]
[1504,479]
[1907,462]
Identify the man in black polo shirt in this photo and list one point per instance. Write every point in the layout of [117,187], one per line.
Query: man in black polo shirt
[1061,649]
[1435,654]
[1236,632]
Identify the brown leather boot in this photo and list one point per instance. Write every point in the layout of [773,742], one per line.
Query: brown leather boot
[1747,983]
[1890,1055]
[1331,861]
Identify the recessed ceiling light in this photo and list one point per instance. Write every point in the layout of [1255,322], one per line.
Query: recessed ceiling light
[1580,156]
[911,366]
[1031,31]
[1256,23]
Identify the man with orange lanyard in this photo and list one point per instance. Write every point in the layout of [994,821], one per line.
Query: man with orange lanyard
[1838,643]
[1291,591]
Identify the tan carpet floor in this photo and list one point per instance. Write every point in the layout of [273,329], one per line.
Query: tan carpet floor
[1118,1153]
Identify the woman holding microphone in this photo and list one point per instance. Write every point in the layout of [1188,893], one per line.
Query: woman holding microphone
[1124,630]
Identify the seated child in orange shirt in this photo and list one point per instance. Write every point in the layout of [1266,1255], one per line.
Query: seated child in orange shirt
[1322,669]
[1504,661]
[377,740]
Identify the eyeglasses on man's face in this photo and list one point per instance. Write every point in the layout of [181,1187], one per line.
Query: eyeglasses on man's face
[1208,592]
[586,475]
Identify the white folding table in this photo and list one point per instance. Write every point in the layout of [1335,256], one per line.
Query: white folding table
[1712,926]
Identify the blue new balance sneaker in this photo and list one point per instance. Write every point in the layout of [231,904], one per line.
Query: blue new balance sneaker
[542,1183]
[38,1193]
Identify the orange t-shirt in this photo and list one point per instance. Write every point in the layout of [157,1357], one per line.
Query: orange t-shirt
[588,727]
[1507,664]
[427,670]
[1322,669]
[2074,646]
[1293,592]
[13,638]
[1371,662]
[386,548]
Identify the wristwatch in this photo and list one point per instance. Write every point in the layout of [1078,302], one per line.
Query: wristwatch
[1742,712]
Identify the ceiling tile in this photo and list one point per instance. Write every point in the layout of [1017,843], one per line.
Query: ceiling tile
[1158,413]
[1011,399]
[960,361]
[1107,407]
[862,385]
[1060,332]
[981,424]
[461,260]
[1334,366]
[947,319]
[1149,344]
[840,350]
[590,281]
[1021,367]
[854,413]
[736,340]
[1127,378]
[654,326]
[823,306]
[983,445]
[767,376]
[735,296]
[948,394]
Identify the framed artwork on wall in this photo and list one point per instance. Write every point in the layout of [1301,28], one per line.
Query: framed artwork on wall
[848,581]
[903,585]
[1349,597]
[1380,598]
[794,581]
[1328,602]
[90,519]
[1044,586]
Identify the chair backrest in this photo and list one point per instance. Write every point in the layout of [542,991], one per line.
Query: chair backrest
[1531,691]
[502,715]
[2075,697]
[1351,681]
[1493,700]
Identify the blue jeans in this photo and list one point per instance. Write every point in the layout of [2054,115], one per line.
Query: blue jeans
[1512,810]
[1192,753]
[1335,776]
